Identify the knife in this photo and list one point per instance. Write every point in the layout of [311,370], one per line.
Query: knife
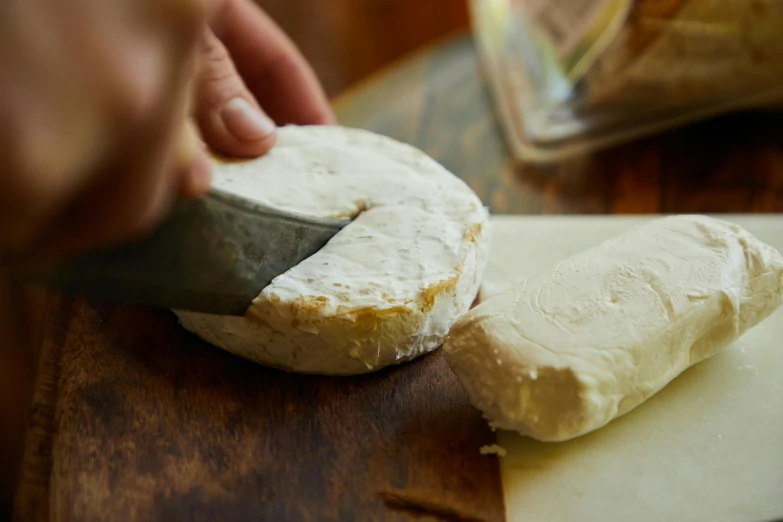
[211,255]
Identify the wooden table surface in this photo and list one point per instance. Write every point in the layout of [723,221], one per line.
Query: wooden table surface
[134,419]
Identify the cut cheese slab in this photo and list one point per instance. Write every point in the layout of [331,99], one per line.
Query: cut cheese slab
[566,351]
[706,447]
[387,287]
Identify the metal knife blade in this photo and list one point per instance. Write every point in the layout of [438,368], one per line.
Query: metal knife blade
[212,255]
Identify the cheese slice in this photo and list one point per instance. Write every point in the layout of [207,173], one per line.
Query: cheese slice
[386,288]
[568,350]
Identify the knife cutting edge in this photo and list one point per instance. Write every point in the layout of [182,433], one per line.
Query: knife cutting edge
[211,255]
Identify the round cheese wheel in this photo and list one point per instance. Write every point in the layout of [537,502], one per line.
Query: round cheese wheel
[388,287]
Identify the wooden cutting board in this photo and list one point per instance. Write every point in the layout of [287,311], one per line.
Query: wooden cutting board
[709,447]
[134,419]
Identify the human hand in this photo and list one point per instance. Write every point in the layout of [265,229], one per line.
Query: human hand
[95,138]
[248,69]
[93,107]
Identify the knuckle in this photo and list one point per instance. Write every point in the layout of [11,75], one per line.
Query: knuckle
[219,80]
[137,84]
[217,71]
[131,105]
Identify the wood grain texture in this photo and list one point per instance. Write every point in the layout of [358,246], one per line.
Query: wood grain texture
[136,419]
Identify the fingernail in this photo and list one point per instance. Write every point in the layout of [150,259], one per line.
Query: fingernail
[245,122]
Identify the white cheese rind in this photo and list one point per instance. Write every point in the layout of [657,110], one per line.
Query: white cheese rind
[568,350]
[385,289]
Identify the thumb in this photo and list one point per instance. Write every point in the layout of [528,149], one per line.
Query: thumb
[228,115]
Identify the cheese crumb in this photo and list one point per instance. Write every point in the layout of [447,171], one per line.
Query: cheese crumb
[493,449]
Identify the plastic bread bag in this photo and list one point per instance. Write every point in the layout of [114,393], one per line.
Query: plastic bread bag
[573,76]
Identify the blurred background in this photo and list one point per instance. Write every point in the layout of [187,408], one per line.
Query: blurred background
[347,40]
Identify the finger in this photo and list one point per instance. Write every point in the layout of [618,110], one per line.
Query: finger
[126,147]
[273,68]
[229,117]
[193,163]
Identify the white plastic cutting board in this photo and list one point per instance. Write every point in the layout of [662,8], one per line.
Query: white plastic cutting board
[708,448]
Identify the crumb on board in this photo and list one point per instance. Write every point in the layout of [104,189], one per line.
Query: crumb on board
[493,449]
